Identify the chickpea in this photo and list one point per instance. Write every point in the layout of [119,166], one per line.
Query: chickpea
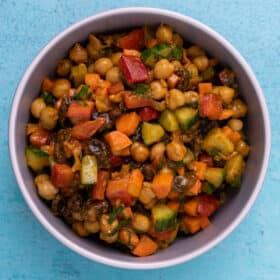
[157,151]
[139,152]
[102,65]
[63,67]
[243,148]
[178,40]
[177,64]
[113,75]
[79,228]
[94,42]
[48,118]
[140,223]
[174,99]
[92,227]
[163,69]
[45,187]
[191,97]
[92,214]
[78,54]
[164,34]
[201,62]
[158,90]
[61,87]
[176,151]
[147,194]
[115,57]
[108,238]
[225,92]
[235,124]
[159,106]
[192,69]
[239,108]
[128,237]
[195,51]
[105,227]
[37,106]
[78,73]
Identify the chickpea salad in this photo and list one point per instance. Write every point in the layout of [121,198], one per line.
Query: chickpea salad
[137,138]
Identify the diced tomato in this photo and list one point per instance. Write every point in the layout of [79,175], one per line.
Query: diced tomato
[85,130]
[206,159]
[100,187]
[40,137]
[117,190]
[133,40]
[211,106]
[61,175]
[207,205]
[133,69]
[115,161]
[80,112]
[133,101]
[148,114]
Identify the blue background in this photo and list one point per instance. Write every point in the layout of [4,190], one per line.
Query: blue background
[252,251]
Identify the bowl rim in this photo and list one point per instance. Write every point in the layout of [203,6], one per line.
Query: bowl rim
[91,255]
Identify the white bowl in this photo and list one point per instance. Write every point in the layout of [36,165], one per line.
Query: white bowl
[259,135]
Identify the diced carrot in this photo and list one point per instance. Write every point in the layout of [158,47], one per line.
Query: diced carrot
[61,175]
[123,153]
[126,213]
[205,88]
[51,148]
[190,207]
[174,205]
[133,101]
[47,84]
[204,222]
[162,184]
[210,106]
[226,113]
[117,141]
[199,168]
[85,130]
[173,195]
[234,136]
[172,81]
[40,137]
[78,112]
[145,247]
[151,43]
[195,189]
[181,170]
[133,40]
[92,80]
[135,183]
[100,186]
[164,235]
[117,190]
[115,88]
[192,224]
[128,123]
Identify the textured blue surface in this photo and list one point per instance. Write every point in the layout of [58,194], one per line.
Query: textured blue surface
[252,251]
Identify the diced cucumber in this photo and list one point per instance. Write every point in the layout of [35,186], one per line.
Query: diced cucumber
[151,133]
[186,117]
[168,121]
[88,170]
[215,176]
[164,218]
[217,142]
[36,159]
[234,169]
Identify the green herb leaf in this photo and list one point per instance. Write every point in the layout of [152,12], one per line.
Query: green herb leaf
[176,53]
[116,212]
[141,88]
[82,93]
[180,164]
[208,188]
[48,98]
[37,152]
[160,165]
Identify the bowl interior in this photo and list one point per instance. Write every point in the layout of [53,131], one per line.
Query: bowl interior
[225,220]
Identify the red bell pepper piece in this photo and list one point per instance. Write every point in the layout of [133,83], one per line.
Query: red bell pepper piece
[133,101]
[80,112]
[100,187]
[40,137]
[61,175]
[133,69]
[207,205]
[133,40]
[85,130]
[148,114]
[211,106]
